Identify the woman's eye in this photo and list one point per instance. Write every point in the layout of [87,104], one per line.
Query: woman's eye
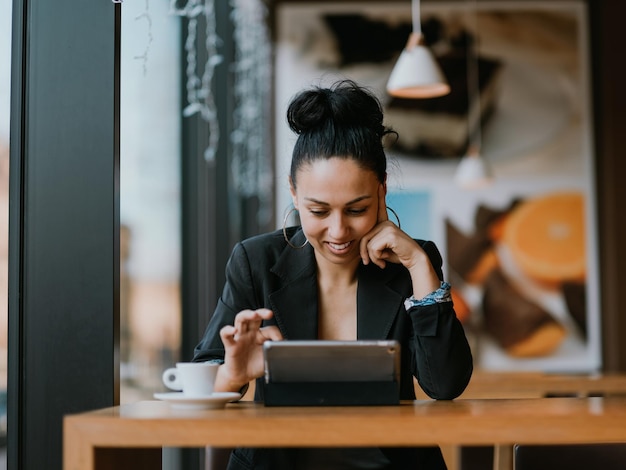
[356,211]
[350,211]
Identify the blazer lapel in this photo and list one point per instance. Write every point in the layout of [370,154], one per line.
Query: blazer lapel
[377,302]
[294,303]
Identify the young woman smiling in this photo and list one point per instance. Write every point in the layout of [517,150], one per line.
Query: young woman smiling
[346,272]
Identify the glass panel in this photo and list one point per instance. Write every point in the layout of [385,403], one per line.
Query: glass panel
[5,111]
[150,197]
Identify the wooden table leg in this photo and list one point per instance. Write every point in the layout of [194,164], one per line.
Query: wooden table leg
[452,457]
[79,453]
[128,458]
[503,457]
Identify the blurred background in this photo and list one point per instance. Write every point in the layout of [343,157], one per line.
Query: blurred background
[205,149]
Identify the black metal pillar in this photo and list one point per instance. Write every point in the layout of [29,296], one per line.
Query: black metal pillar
[63,222]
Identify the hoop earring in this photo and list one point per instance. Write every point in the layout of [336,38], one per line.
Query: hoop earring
[285,232]
[395,215]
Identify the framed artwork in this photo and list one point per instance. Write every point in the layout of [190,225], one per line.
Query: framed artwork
[521,253]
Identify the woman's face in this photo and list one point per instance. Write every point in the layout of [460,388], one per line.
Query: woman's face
[338,205]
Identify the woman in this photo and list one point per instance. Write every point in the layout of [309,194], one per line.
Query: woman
[346,273]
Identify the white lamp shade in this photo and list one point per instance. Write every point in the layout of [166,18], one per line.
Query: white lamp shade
[473,172]
[416,73]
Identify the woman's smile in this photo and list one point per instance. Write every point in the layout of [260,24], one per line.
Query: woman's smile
[338,205]
[339,248]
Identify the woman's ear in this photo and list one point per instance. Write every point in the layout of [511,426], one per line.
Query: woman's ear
[292,190]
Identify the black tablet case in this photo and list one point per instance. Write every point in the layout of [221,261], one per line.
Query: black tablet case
[331,373]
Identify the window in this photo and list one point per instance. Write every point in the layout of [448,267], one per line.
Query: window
[5,111]
[150,106]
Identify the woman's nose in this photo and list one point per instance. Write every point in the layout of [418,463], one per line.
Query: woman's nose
[337,227]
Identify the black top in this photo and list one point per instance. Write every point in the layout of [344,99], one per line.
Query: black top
[265,272]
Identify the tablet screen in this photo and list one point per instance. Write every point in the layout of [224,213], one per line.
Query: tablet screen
[331,361]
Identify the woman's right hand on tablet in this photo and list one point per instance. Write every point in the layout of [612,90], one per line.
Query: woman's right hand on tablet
[243,343]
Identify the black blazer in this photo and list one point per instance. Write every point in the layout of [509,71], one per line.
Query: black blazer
[264,271]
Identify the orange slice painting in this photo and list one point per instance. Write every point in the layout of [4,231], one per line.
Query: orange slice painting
[546,236]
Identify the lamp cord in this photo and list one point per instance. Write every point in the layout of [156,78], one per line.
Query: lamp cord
[473,87]
[415,15]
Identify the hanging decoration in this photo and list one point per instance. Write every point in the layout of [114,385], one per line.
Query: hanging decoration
[250,160]
[199,77]
[251,164]
[145,16]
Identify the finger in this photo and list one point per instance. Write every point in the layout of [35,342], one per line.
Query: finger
[381,248]
[227,333]
[271,333]
[365,257]
[378,258]
[250,320]
[253,315]
[246,319]
[365,241]
[265,313]
[254,319]
[368,254]
[382,205]
[241,320]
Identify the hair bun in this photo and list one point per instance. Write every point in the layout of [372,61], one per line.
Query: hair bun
[343,105]
[309,110]
[343,120]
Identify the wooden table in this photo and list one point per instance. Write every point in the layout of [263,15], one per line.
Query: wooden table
[529,384]
[517,384]
[131,436]
[541,384]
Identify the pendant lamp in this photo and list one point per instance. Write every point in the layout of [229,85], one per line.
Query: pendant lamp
[473,171]
[416,73]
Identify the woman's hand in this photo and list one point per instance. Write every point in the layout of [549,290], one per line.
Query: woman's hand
[243,343]
[386,242]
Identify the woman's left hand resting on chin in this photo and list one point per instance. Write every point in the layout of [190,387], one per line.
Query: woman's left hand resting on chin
[243,344]
[386,242]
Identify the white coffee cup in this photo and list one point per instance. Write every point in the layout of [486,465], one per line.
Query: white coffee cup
[194,379]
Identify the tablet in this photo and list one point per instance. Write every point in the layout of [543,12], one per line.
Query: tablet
[331,372]
[331,361]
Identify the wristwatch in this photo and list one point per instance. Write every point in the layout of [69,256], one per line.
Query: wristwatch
[440,295]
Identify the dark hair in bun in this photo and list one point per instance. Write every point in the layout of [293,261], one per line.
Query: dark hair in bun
[344,120]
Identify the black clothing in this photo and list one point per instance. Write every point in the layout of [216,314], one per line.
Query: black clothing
[265,272]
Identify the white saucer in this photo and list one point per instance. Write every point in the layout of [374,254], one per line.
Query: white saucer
[213,401]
